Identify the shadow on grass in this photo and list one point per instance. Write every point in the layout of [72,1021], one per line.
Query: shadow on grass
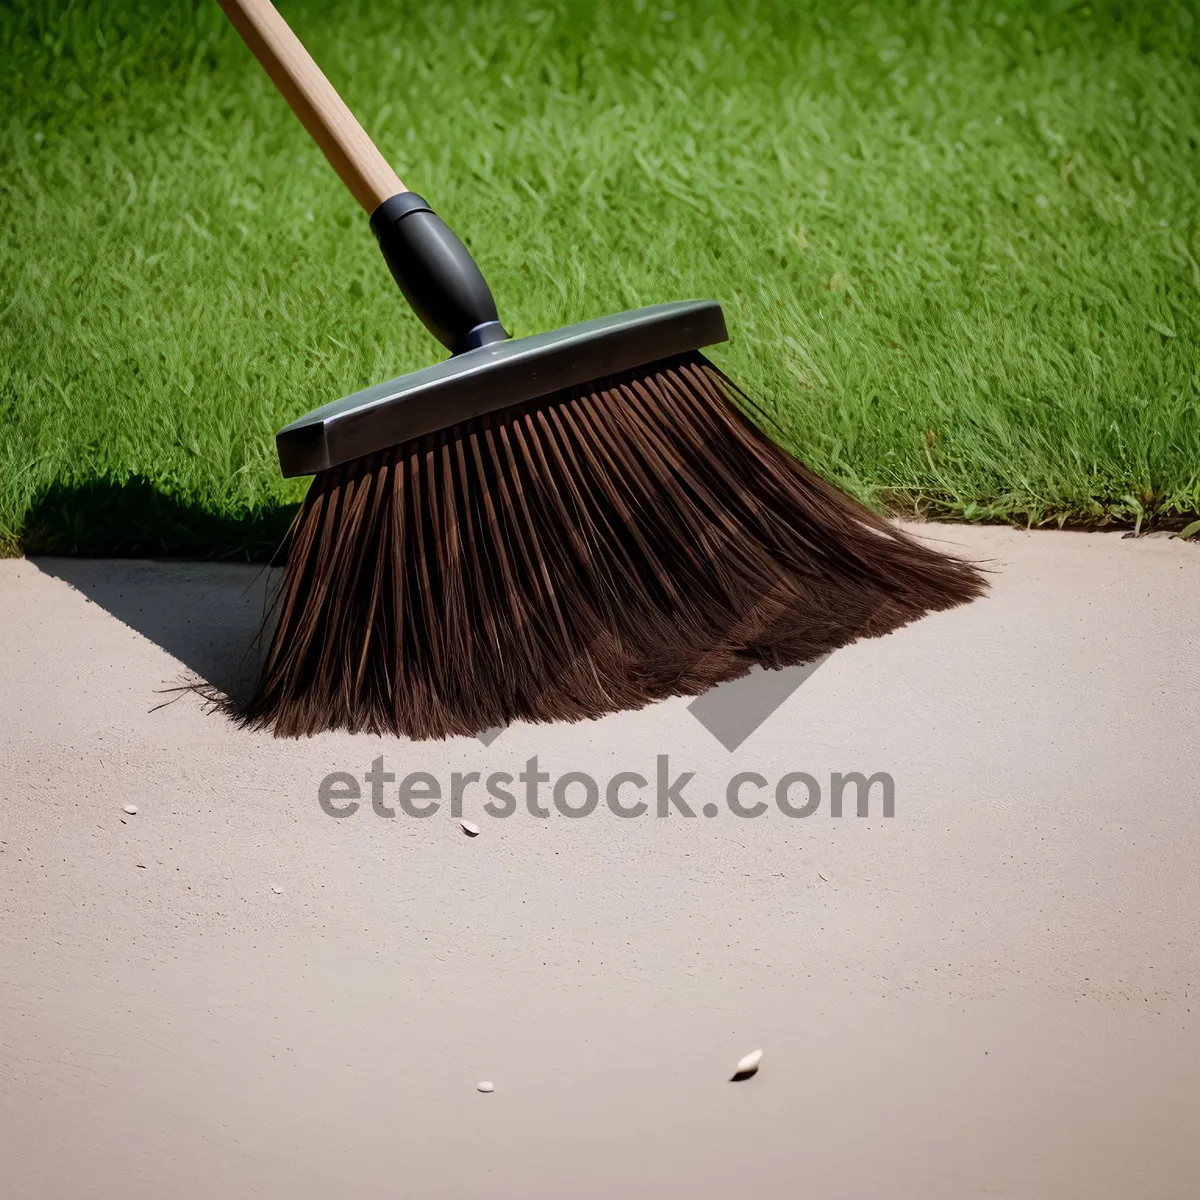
[134,518]
[110,541]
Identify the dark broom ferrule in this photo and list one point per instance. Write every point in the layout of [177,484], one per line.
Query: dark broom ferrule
[435,271]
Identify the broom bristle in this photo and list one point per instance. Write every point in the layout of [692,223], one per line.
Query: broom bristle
[591,551]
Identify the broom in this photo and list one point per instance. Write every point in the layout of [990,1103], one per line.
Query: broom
[547,528]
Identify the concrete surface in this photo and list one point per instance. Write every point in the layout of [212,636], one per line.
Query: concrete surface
[233,994]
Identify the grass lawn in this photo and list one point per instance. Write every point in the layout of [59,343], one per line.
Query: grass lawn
[958,243]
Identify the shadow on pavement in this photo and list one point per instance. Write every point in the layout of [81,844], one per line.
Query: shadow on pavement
[206,615]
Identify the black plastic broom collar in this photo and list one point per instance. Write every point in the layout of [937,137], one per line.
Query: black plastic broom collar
[435,271]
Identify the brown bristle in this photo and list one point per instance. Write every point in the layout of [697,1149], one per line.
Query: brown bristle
[590,551]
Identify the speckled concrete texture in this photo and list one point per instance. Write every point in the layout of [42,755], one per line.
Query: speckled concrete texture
[992,992]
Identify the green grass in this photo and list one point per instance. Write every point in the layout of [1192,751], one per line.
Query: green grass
[957,243]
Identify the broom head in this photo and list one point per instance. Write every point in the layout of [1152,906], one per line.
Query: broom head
[612,539]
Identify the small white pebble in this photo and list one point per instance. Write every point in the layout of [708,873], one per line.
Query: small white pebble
[470,828]
[277,891]
[749,1064]
[131,809]
[486,1086]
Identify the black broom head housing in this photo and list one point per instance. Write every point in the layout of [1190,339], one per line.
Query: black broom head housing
[493,376]
[558,526]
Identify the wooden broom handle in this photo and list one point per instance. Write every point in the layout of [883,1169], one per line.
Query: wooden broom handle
[311,97]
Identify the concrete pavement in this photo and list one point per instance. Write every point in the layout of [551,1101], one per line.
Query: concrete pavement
[232,993]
